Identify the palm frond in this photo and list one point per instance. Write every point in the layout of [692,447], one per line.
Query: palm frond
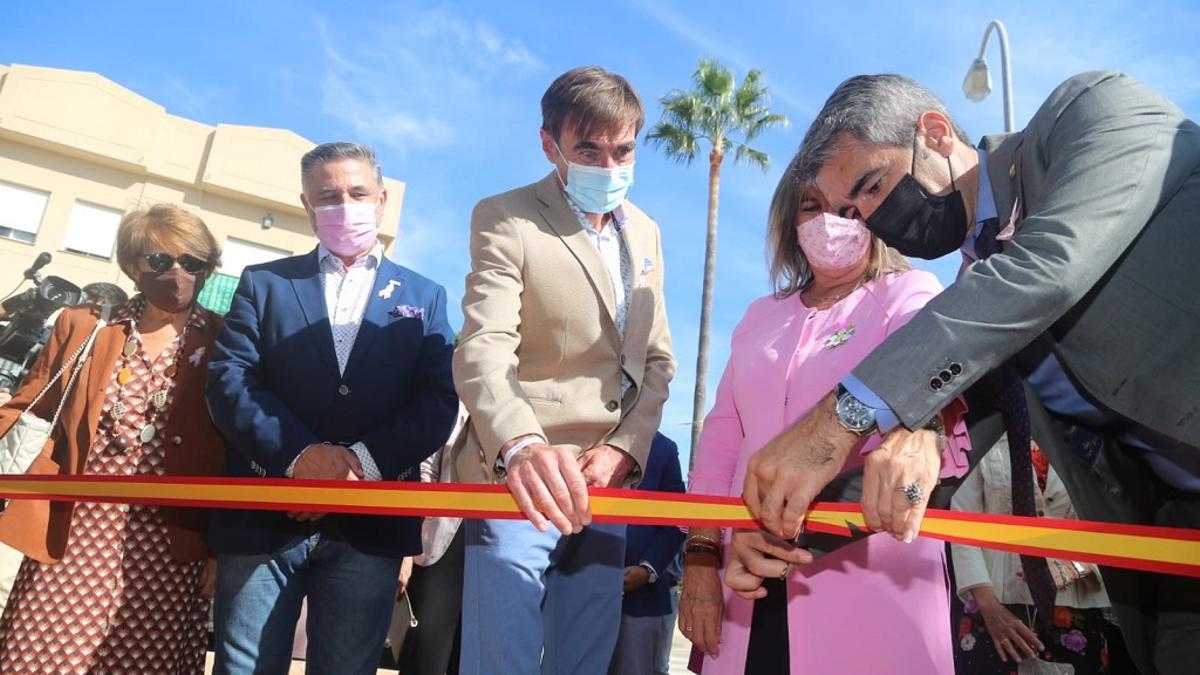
[692,111]
[752,92]
[748,156]
[762,121]
[678,143]
[713,80]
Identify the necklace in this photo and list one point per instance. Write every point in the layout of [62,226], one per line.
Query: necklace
[157,401]
[832,298]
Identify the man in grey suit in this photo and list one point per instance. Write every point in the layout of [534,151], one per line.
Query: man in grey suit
[1075,315]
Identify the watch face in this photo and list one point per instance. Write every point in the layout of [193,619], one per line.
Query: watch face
[855,415]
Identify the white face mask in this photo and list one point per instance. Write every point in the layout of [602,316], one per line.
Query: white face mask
[596,189]
[833,243]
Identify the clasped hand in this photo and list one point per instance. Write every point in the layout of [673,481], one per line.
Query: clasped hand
[550,484]
[787,474]
[324,461]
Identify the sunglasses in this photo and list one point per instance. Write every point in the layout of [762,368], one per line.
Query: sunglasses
[161,262]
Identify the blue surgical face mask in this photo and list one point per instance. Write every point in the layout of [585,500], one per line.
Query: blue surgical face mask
[596,189]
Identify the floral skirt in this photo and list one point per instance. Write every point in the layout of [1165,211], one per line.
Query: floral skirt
[1078,637]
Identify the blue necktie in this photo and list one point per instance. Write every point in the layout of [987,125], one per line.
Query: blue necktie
[1016,423]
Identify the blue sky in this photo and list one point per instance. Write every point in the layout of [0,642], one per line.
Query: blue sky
[448,94]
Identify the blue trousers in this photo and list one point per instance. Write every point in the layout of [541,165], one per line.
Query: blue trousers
[350,599]
[538,602]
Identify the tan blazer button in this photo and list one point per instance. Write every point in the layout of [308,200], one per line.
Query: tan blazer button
[611,406]
[176,440]
[622,359]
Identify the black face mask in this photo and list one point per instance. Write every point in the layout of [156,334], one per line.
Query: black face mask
[917,223]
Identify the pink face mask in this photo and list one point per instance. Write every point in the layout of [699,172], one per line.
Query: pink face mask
[347,229]
[833,243]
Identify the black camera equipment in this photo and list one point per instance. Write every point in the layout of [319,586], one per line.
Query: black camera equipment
[24,320]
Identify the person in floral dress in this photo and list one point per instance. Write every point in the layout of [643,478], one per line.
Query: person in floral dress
[998,627]
[119,588]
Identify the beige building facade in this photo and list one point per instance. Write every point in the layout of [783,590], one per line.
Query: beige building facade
[77,151]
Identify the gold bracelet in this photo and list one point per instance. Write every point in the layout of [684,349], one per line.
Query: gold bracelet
[698,543]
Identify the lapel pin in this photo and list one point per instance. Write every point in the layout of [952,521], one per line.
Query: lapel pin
[196,356]
[386,292]
[647,267]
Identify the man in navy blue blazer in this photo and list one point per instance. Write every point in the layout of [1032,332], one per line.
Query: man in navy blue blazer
[334,365]
[649,550]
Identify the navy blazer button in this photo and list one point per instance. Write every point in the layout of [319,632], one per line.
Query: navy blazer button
[1012,170]
[611,406]
[343,390]
[956,368]
[935,384]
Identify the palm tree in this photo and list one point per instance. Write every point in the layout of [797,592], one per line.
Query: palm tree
[714,109]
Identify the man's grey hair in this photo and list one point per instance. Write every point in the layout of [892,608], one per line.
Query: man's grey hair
[329,152]
[876,109]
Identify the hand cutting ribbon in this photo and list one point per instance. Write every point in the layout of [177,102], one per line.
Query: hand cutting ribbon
[1153,549]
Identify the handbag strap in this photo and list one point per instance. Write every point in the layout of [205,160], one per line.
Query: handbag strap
[78,358]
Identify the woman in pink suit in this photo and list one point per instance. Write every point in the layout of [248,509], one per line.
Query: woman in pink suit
[839,293]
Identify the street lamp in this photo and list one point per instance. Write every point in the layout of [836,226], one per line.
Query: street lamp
[978,82]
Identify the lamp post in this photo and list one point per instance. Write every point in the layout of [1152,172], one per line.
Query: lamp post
[978,82]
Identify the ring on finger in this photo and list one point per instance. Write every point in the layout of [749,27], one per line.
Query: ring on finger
[913,493]
[787,567]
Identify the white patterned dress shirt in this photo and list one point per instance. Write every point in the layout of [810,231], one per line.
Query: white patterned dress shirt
[613,253]
[347,292]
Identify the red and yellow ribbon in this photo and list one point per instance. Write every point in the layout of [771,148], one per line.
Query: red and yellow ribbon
[1154,549]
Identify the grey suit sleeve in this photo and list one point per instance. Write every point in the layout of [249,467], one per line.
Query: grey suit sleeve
[1105,145]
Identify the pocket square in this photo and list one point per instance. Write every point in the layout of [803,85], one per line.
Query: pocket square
[408,312]
[647,267]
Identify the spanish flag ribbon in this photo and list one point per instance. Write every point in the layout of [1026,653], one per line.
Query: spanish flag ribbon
[1140,547]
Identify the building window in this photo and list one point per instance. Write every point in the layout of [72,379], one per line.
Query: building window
[239,254]
[21,211]
[219,289]
[217,294]
[92,230]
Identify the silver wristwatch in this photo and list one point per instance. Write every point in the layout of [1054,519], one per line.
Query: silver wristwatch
[855,416]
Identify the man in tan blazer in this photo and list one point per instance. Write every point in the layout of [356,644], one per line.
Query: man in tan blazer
[563,364]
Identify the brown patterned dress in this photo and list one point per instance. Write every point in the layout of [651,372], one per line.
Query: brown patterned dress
[117,602]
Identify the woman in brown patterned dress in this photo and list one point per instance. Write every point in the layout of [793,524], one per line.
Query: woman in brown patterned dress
[108,588]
